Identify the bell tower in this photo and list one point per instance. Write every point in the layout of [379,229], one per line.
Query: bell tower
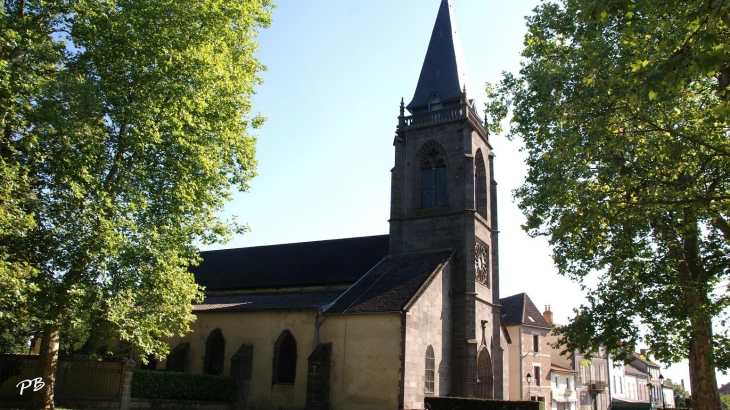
[443,196]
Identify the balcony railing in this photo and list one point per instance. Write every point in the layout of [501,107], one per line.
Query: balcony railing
[596,385]
[435,117]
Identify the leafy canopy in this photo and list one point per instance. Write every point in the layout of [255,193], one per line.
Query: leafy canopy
[623,109]
[125,124]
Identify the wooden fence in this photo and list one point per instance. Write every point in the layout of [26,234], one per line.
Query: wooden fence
[73,378]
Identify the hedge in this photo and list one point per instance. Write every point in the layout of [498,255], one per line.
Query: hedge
[464,403]
[153,384]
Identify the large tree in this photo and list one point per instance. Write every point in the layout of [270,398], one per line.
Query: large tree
[623,109]
[124,126]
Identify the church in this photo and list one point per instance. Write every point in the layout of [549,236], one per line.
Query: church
[377,322]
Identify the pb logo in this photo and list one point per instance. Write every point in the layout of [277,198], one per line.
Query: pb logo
[37,384]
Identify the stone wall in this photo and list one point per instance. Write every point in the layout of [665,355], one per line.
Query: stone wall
[428,323]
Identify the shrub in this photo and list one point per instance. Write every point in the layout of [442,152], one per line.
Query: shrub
[152,384]
[464,403]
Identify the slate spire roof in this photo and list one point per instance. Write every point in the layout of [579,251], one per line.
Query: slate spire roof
[444,69]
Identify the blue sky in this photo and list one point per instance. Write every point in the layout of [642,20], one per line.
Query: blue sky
[337,70]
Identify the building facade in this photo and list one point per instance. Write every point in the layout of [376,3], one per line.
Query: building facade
[376,322]
[530,352]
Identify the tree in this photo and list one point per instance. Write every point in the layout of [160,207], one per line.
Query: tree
[725,398]
[125,124]
[623,109]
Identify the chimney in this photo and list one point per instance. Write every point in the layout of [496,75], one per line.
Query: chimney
[642,352]
[548,314]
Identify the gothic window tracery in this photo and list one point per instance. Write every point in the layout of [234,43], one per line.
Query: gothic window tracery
[481,263]
[433,179]
[480,184]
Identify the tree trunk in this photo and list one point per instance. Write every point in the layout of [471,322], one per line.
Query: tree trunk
[48,365]
[701,370]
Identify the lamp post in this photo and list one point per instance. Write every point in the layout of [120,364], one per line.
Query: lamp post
[529,386]
[661,381]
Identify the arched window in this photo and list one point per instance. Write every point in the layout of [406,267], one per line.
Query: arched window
[285,359]
[430,370]
[480,184]
[215,349]
[433,179]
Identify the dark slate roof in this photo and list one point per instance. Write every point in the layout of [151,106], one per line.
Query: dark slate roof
[338,261]
[390,285]
[519,310]
[444,70]
[267,301]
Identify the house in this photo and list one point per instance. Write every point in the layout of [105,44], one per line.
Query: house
[654,379]
[530,352]
[635,389]
[591,374]
[564,395]
[593,389]
[375,322]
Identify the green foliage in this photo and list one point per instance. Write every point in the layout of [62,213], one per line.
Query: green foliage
[622,106]
[161,385]
[124,126]
[725,400]
[463,403]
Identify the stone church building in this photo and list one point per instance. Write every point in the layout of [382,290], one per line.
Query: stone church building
[375,322]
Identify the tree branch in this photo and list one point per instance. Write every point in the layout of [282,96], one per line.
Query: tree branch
[723,226]
[657,127]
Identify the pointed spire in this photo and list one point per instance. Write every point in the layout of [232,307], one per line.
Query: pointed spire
[444,70]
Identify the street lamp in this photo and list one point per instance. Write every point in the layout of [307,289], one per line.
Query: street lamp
[661,381]
[529,386]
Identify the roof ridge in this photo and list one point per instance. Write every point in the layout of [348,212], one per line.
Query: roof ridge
[524,304]
[324,308]
[427,282]
[296,243]
[374,282]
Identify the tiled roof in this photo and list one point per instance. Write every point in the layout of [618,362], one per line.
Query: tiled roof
[645,360]
[266,301]
[519,310]
[390,285]
[629,369]
[555,368]
[338,261]
[444,69]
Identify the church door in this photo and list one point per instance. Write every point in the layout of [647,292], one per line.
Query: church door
[485,384]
